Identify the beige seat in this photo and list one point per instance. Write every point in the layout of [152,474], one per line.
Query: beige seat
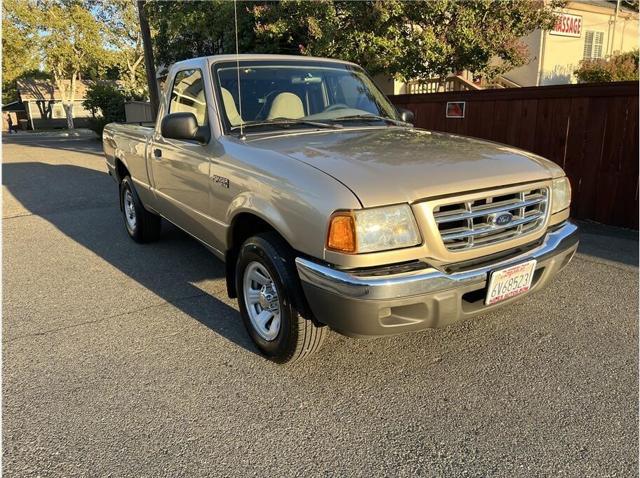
[286,105]
[182,104]
[230,108]
[200,108]
[188,97]
[197,106]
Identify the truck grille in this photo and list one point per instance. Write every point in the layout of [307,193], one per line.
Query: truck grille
[490,220]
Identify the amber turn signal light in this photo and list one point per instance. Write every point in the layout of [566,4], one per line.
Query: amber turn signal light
[342,233]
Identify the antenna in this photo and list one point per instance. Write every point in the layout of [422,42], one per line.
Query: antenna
[235,18]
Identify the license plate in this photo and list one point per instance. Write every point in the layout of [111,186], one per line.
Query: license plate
[509,282]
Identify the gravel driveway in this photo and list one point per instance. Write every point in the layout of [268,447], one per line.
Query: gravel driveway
[128,360]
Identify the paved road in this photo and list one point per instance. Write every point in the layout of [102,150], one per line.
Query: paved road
[122,359]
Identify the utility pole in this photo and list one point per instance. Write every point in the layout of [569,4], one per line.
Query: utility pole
[148,58]
[615,26]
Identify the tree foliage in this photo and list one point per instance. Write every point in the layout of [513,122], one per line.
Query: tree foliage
[106,103]
[63,33]
[184,29]
[623,67]
[71,43]
[420,39]
[122,34]
[73,39]
[19,47]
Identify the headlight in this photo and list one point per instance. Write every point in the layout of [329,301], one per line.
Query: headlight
[560,195]
[375,229]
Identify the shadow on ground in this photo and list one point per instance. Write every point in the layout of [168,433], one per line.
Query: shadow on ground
[82,204]
[76,145]
[609,243]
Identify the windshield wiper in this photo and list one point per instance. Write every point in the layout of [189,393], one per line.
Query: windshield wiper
[370,117]
[285,123]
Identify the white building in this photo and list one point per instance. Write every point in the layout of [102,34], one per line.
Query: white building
[585,29]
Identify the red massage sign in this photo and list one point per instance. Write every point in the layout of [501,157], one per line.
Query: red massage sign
[567,25]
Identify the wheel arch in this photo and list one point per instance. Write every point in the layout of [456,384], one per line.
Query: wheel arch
[121,168]
[243,225]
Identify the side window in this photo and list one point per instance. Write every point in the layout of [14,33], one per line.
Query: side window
[187,95]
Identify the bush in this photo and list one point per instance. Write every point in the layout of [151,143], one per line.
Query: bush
[623,67]
[106,103]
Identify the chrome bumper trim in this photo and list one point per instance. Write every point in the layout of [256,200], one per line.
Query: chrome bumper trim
[394,286]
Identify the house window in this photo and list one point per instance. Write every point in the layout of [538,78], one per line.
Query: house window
[593,44]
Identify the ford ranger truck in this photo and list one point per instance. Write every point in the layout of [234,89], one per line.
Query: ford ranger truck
[329,208]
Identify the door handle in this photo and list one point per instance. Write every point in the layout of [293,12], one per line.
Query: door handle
[157,153]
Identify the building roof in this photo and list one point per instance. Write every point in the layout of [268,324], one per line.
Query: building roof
[37,89]
[603,6]
[13,106]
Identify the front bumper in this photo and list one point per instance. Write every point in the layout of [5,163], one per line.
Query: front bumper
[372,305]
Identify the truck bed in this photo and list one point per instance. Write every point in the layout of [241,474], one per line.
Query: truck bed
[128,143]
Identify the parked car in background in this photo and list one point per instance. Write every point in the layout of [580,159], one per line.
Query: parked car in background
[329,208]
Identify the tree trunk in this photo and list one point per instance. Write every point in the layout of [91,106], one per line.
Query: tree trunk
[68,109]
[148,58]
[67,95]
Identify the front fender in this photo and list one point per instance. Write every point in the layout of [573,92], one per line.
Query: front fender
[296,199]
[249,202]
[301,219]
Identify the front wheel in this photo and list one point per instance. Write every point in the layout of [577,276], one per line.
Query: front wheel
[270,300]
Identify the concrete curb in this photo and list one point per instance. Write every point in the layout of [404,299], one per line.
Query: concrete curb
[76,133]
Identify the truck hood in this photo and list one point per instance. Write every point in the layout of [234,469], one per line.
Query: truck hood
[394,165]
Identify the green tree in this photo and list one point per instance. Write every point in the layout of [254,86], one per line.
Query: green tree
[122,33]
[106,103]
[64,34]
[19,47]
[409,40]
[71,44]
[623,67]
[74,39]
[185,29]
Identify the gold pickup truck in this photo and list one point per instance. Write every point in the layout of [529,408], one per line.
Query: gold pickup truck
[329,209]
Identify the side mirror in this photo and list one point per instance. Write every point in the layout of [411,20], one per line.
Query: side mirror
[406,115]
[182,126]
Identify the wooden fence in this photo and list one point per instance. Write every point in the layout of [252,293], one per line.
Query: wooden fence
[590,130]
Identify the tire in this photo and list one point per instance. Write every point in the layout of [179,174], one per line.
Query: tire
[296,337]
[142,225]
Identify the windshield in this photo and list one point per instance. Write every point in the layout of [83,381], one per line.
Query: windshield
[306,94]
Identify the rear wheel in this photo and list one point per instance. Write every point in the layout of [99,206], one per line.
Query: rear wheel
[271,301]
[142,225]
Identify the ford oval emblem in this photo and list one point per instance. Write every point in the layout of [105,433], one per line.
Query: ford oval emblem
[500,219]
